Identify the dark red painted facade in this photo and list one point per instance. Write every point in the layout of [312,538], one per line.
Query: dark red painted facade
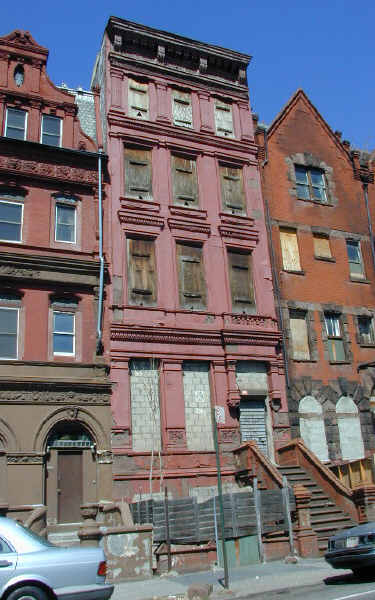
[232,354]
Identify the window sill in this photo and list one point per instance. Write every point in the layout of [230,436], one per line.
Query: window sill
[326,258]
[339,362]
[367,345]
[305,360]
[293,272]
[358,280]
[315,202]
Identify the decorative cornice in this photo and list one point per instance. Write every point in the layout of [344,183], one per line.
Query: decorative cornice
[135,219]
[42,169]
[26,266]
[189,226]
[81,394]
[261,338]
[124,333]
[254,322]
[25,459]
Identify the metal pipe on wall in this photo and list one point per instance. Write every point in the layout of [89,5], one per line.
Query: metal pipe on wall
[99,331]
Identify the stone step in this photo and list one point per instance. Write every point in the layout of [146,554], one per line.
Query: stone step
[64,537]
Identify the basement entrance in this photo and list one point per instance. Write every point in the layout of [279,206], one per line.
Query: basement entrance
[70,473]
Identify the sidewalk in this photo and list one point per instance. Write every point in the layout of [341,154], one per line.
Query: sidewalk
[243,581]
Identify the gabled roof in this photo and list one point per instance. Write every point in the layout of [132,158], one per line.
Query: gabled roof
[23,40]
[298,96]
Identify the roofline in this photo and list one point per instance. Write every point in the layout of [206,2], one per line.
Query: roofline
[173,38]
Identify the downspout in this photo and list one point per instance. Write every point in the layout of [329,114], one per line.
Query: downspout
[99,329]
[365,194]
[273,268]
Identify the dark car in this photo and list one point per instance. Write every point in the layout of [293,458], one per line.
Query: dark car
[353,549]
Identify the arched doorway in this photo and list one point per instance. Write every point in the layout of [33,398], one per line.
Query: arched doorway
[70,473]
[349,425]
[311,424]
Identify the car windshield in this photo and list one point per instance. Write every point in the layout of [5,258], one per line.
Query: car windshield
[35,537]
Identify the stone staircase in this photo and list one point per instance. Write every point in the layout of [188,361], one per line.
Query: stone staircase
[326,517]
[64,534]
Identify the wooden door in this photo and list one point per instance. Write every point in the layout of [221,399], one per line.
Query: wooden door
[69,486]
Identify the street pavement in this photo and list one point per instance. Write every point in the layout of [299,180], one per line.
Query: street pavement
[312,578]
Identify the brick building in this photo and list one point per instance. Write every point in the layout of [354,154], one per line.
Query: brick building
[190,312]
[55,393]
[318,192]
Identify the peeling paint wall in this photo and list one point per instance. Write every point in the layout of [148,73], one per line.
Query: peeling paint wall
[129,555]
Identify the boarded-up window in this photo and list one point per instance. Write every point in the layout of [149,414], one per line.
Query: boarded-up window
[141,272]
[224,119]
[241,282]
[366,330]
[184,176]
[138,99]
[299,335]
[192,287]
[138,173]
[232,189]
[312,427]
[349,426]
[182,109]
[322,248]
[289,250]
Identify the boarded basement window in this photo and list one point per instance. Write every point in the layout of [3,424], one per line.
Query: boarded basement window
[241,282]
[289,250]
[138,100]
[349,425]
[182,109]
[192,287]
[224,119]
[138,174]
[232,190]
[185,185]
[299,334]
[322,247]
[312,427]
[141,272]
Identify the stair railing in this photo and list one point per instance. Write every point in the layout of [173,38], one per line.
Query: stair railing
[296,453]
[251,462]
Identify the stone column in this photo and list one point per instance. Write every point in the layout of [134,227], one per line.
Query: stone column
[173,404]
[306,538]
[364,499]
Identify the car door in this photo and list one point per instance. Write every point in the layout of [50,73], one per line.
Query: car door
[8,563]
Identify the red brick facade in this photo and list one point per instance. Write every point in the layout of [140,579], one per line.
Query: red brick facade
[315,189]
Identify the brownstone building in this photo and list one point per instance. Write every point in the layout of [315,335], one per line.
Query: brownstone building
[317,192]
[55,394]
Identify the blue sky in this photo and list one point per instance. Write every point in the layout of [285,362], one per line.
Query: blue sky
[324,46]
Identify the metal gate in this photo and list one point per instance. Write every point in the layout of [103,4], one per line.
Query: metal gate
[253,422]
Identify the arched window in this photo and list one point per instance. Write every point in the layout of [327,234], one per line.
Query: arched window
[69,435]
[311,425]
[349,425]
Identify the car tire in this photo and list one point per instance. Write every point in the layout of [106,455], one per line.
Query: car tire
[362,572]
[28,592]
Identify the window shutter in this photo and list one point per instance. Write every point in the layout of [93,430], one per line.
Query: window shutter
[232,189]
[141,272]
[241,282]
[138,174]
[223,119]
[182,109]
[184,174]
[138,100]
[192,288]
[300,338]
[322,247]
[289,250]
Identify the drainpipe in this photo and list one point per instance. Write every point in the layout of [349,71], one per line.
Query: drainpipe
[99,331]
[365,194]
[273,268]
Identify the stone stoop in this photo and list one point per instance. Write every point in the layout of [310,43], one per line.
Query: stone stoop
[326,517]
[65,534]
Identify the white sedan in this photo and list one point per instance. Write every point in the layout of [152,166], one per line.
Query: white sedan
[32,568]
